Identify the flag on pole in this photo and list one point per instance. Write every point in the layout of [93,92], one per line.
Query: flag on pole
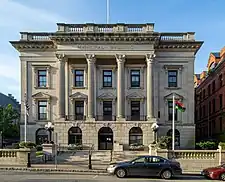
[179,106]
[27,107]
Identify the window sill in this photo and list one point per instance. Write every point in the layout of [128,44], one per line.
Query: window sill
[107,88]
[172,88]
[135,87]
[41,87]
[47,120]
[78,87]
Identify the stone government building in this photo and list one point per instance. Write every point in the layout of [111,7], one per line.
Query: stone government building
[107,83]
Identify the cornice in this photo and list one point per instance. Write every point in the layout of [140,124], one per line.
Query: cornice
[33,45]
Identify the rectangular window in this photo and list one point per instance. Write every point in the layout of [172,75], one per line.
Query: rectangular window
[200,109]
[172,78]
[221,80]
[221,124]
[221,101]
[214,105]
[213,86]
[209,90]
[203,93]
[107,110]
[213,125]
[107,78]
[42,78]
[135,78]
[135,110]
[210,108]
[42,110]
[79,78]
[170,111]
[203,112]
[79,110]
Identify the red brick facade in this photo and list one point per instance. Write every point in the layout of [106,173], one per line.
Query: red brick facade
[210,99]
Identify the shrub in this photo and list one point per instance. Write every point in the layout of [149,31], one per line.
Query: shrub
[207,145]
[74,147]
[27,145]
[39,148]
[222,144]
[136,146]
[164,142]
[16,146]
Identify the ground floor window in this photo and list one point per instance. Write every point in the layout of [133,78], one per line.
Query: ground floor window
[43,136]
[105,138]
[135,136]
[75,136]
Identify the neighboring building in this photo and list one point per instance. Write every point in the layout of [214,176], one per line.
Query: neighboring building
[103,84]
[9,99]
[210,103]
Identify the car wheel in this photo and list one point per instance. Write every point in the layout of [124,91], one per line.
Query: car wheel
[166,174]
[120,173]
[222,176]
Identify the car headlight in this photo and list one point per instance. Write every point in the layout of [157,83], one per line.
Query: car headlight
[111,166]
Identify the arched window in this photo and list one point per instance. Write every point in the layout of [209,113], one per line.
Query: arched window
[105,138]
[136,136]
[42,136]
[75,136]
[177,137]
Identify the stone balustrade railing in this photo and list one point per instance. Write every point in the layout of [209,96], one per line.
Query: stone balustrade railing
[196,154]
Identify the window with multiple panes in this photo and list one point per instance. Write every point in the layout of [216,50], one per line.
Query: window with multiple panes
[170,111]
[79,78]
[221,124]
[203,93]
[107,78]
[221,101]
[203,112]
[42,110]
[42,78]
[107,108]
[209,89]
[209,107]
[221,80]
[214,105]
[135,78]
[79,110]
[172,78]
[135,110]
[213,86]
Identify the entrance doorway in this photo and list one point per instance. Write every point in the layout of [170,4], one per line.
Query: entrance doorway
[105,138]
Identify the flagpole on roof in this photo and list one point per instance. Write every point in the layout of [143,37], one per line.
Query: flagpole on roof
[107,11]
[173,124]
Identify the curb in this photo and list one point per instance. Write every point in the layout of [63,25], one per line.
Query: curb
[49,170]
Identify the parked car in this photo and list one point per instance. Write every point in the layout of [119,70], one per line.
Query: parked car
[146,166]
[217,172]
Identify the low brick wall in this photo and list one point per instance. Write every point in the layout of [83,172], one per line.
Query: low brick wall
[16,157]
[192,160]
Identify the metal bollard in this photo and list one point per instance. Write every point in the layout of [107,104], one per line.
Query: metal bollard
[28,160]
[89,161]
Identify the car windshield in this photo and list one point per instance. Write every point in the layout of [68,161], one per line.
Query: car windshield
[139,160]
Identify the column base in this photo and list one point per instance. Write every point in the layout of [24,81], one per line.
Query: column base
[90,119]
[152,119]
[120,118]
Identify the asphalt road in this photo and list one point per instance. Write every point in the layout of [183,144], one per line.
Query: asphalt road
[44,177]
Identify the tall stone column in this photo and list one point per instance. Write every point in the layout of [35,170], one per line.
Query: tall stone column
[150,85]
[91,92]
[66,88]
[61,85]
[120,86]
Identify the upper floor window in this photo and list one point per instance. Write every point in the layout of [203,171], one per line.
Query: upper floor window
[203,93]
[221,101]
[42,78]
[172,78]
[203,112]
[79,110]
[214,105]
[107,78]
[221,124]
[135,78]
[209,90]
[170,111]
[213,86]
[209,107]
[221,80]
[79,78]
[42,110]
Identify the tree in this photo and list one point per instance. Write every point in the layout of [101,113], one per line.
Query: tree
[8,115]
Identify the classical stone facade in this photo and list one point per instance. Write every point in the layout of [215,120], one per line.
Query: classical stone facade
[104,84]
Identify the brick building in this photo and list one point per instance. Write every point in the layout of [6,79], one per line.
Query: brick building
[210,99]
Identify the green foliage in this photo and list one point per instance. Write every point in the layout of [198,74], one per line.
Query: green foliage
[222,144]
[27,145]
[136,146]
[7,117]
[164,142]
[16,146]
[207,145]
[39,153]
[39,148]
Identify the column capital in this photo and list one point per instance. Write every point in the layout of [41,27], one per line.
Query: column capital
[60,56]
[90,58]
[120,58]
[150,58]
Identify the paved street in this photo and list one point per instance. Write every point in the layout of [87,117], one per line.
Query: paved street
[40,177]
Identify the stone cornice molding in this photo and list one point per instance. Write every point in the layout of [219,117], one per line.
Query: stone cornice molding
[34,45]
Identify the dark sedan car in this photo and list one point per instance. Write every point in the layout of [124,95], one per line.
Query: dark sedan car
[217,172]
[146,166]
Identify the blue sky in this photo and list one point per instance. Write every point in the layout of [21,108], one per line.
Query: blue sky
[206,18]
